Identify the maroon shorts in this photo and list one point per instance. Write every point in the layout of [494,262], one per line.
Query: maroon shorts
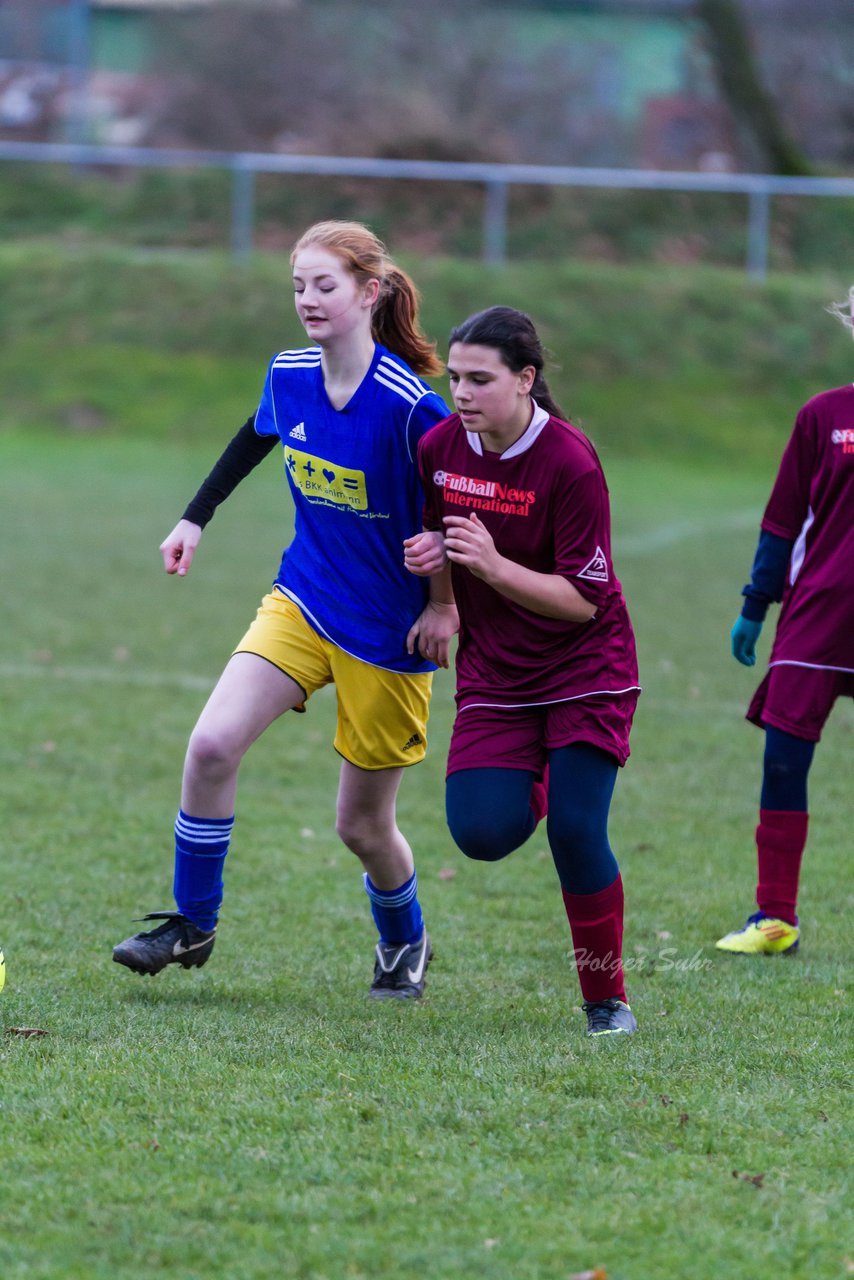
[520,737]
[798,700]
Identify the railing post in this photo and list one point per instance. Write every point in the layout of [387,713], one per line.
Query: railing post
[758,233]
[495,223]
[242,210]
[79,125]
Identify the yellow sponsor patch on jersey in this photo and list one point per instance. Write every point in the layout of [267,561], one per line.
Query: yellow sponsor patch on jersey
[322,481]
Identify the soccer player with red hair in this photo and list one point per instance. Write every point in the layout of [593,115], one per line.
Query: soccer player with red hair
[347,413]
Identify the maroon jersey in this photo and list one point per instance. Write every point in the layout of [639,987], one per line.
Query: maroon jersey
[812,502]
[545,503]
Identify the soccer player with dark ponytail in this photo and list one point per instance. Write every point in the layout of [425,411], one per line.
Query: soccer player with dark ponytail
[805,558]
[347,412]
[547,677]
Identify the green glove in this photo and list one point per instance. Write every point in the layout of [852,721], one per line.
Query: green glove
[744,636]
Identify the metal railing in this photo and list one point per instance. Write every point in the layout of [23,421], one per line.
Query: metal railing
[496,180]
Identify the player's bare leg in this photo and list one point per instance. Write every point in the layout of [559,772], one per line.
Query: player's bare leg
[249,696]
[251,693]
[366,821]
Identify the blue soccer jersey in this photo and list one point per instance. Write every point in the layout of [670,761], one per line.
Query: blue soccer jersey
[354,478]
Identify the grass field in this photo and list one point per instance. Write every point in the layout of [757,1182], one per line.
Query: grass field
[261,1117]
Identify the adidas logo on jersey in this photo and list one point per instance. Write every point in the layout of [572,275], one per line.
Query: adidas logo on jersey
[414,741]
[298,432]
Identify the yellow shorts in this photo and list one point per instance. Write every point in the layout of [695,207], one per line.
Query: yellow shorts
[382,715]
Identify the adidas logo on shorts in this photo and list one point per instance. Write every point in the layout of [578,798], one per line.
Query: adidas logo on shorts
[414,741]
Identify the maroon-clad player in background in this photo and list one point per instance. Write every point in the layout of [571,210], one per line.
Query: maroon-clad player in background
[546,667]
[805,557]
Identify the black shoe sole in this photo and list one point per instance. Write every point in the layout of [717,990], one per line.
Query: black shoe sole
[186,962]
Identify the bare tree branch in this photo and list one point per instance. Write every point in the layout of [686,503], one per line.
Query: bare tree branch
[740,83]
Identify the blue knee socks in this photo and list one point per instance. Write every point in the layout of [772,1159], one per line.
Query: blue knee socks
[200,848]
[396,912]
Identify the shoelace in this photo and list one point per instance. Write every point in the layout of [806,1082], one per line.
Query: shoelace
[758,916]
[599,1012]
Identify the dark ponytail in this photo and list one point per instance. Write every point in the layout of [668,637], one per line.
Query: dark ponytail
[512,334]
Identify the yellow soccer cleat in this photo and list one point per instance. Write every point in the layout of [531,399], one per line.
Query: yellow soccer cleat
[762,936]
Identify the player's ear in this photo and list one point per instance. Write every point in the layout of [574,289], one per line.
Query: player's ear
[371,293]
[527,378]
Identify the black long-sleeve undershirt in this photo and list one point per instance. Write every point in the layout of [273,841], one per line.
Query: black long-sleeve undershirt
[768,575]
[240,457]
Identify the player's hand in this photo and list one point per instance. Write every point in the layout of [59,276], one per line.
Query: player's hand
[180,547]
[424,553]
[433,631]
[744,635]
[468,542]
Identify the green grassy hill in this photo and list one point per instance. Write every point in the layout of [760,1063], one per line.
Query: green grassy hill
[697,364]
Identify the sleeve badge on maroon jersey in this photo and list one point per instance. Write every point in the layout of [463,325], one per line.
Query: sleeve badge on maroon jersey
[596,570]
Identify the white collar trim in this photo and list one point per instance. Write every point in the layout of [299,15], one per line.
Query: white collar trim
[528,437]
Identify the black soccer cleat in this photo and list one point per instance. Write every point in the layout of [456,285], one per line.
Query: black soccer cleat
[401,969]
[609,1018]
[176,941]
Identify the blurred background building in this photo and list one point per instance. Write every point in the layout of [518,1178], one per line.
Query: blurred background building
[591,82]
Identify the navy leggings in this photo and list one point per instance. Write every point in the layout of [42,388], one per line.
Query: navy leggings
[786,766]
[489,814]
